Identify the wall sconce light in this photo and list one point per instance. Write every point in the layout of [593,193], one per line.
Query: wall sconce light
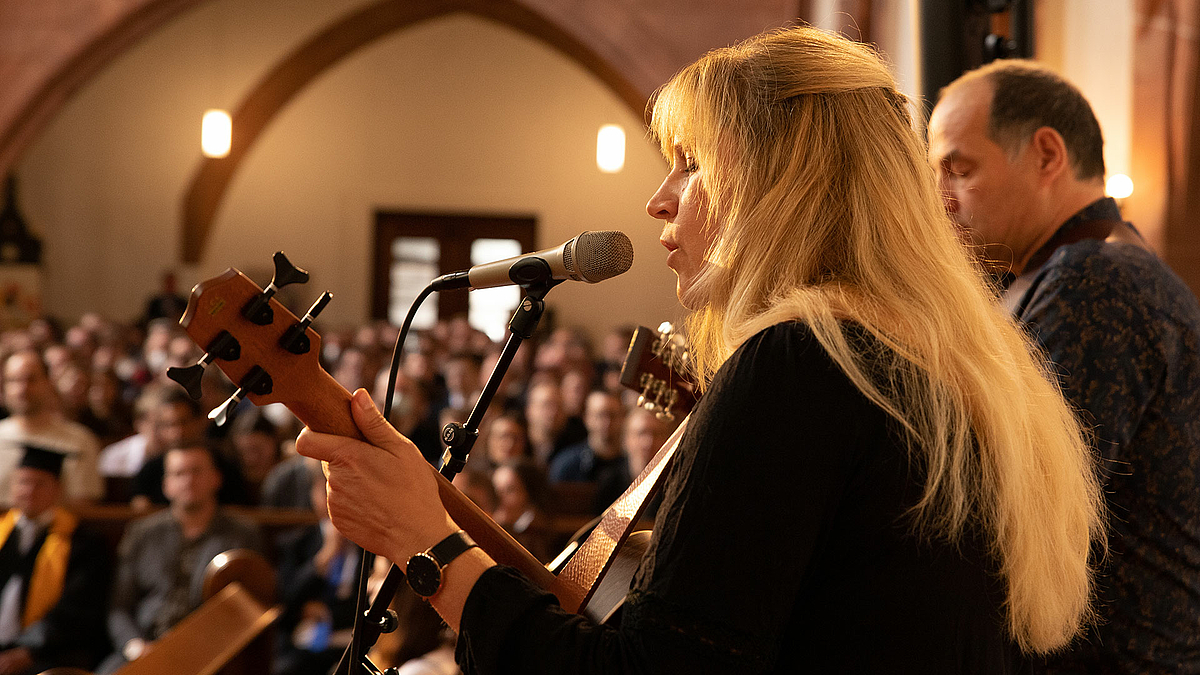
[216,131]
[610,148]
[1118,186]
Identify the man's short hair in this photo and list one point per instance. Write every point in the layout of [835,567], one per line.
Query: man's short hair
[210,447]
[1027,97]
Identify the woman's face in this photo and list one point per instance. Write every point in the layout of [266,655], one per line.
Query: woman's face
[682,205]
[510,492]
[506,440]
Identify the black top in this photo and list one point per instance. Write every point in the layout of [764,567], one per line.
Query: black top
[781,546]
[72,632]
[1123,332]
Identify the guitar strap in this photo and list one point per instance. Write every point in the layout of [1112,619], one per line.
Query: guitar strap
[578,579]
[1112,231]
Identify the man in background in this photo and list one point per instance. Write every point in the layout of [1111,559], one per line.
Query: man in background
[599,459]
[36,420]
[53,575]
[162,557]
[1019,155]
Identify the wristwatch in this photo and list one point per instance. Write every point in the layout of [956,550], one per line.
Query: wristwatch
[424,570]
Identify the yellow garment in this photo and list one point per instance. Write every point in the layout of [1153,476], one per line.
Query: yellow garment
[50,565]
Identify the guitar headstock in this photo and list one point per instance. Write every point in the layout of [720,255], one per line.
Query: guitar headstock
[656,367]
[259,344]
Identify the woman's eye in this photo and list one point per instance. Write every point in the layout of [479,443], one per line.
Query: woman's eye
[690,165]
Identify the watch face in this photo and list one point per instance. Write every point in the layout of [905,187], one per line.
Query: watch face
[424,574]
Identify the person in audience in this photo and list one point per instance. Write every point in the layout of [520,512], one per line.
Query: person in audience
[167,304]
[354,369]
[549,431]
[107,414]
[178,418]
[613,349]
[574,387]
[599,460]
[36,420]
[71,383]
[461,374]
[54,575]
[125,457]
[506,438]
[520,505]
[318,569]
[255,441]
[643,435]
[162,557]
[476,484]
[410,412]
[288,484]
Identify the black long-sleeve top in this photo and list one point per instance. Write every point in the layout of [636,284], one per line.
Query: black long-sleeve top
[781,545]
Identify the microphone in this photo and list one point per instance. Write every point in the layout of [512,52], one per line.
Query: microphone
[590,257]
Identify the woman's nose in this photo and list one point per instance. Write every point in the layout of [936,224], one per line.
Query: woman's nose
[663,205]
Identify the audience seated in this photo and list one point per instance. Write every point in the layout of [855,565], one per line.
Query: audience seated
[162,557]
[53,575]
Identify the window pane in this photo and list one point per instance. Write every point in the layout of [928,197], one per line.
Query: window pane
[490,308]
[414,265]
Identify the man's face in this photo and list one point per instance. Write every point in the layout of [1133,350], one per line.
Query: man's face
[190,478]
[175,422]
[990,197]
[602,416]
[34,491]
[27,389]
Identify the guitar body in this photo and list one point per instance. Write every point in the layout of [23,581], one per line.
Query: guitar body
[609,594]
[593,582]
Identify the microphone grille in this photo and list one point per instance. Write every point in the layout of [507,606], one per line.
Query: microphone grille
[596,256]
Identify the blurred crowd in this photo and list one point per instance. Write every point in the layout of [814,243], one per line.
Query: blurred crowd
[560,441]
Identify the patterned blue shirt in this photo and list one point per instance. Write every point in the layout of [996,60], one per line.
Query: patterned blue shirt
[1123,333]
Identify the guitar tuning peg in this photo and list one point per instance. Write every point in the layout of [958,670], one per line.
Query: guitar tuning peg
[258,310]
[220,414]
[224,346]
[286,273]
[294,338]
[256,381]
[189,378]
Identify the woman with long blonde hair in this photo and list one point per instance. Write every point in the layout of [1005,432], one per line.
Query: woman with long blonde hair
[880,477]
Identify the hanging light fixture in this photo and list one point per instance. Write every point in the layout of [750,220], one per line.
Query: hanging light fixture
[610,148]
[216,132]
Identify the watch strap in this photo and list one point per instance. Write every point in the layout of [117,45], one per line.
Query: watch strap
[451,547]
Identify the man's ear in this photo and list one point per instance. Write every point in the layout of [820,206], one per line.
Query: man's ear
[1049,152]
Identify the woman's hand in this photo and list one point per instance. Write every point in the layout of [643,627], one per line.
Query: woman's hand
[382,493]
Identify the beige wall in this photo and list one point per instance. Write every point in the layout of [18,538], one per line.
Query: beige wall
[457,115]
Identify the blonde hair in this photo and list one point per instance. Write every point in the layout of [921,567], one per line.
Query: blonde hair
[824,210]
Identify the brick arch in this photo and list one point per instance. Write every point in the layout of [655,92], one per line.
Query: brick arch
[307,62]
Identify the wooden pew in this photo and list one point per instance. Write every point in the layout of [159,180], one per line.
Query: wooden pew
[209,638]
[226,634]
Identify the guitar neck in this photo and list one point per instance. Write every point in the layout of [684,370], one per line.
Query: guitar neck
[327,410]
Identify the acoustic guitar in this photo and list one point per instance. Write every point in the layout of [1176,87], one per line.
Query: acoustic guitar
[273,358]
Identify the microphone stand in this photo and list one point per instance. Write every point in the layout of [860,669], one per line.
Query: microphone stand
[459,438]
